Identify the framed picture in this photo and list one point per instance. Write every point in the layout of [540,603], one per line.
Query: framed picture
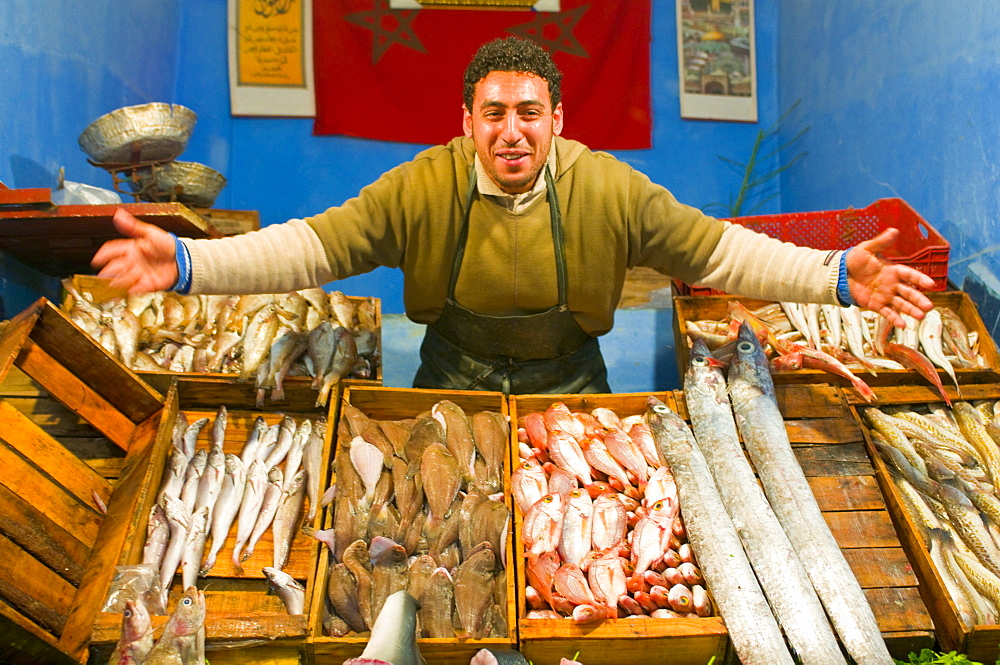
[715,54]
[270,58]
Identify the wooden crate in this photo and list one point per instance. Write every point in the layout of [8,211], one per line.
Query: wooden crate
[980,643]
[645,641]
[395,404]
[100,291]
[240,611]
[59,550]
[829,445]
[695,308]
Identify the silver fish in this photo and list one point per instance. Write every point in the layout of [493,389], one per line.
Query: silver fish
[930,331]
[269,506]
[293,459]
[253,499]
[766,440]
[157,536]
[286,519]
[211,480]
[137,635]
[192,479]
[257,339]
[190,437]
[253,443]
[219,427]
[781,574]
[226,508]
[194,547]
[286,437]
[345,355]
[751,625]
[173,477]
[312,460]
[179,521]
[291,592]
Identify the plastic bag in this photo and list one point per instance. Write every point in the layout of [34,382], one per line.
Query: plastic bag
[139,583]
[77,193]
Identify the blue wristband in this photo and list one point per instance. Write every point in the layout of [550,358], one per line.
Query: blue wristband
[843,288]
[183,259]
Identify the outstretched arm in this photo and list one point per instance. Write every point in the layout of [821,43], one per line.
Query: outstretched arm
[142,261]
[888,288]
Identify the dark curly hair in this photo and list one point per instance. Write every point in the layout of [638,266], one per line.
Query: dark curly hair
[512,54]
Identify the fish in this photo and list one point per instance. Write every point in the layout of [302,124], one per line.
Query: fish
[913,359]
[425,432]
[492,435]
[437,604]
[173,478]
[250,506]
[528,484]
[393,639]
[609,523]
[210,483]
[268,507]
[971,426]
[179,521]
[956,337]
[368,461]
[342,592]
[343,309]
[930,332]
[440,464]
[192,479]
[286,438]
[137,636]
[606,578]
[157,536]
[575,538]
[257,339]
[227,507]
[312,460]
[345,356]
[290,590]
[458,436]
[558,417]
[286,519]
[356,561]
[597,455]
[752,628]
[965,518]
[622,448]
[958,586]
[492,656]
[179,641]
[565,451]
[283,354]
[474,581]
[194,547]
[781,574]
[293,460]
[388,575]
[126,328]
[762,427]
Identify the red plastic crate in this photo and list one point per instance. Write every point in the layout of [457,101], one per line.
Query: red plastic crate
[919,245]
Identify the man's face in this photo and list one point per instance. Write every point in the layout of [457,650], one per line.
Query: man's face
[512,123]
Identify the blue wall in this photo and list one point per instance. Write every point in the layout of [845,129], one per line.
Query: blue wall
[901,100]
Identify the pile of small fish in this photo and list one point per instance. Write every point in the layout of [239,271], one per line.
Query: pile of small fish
[263,338]
[420,507]
[945,464]
[182,639]
[206,492]
[602,530]
[845,340]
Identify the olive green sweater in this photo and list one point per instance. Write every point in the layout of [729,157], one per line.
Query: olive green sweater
[614,218]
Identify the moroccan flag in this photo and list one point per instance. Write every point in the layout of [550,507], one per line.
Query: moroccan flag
[396,75]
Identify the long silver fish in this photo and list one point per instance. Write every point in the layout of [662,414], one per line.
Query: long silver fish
[253,499]
[190,437]
[286,437]
[286,519]
[752,628]
[312,461]
[289,589]
[763,428]
[211,480]
[393,639]
[157,536]
[784,580]
[179,521]
[253,443]
[226,508]
[173,477]
[192,479]
[194,547]
[293,460]
[272,500]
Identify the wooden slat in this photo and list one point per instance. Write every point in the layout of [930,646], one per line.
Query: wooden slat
[55,418]
[76,394]
[899,609]
[53,459]
[109,468]
[122,520]
[33,531]
[33,589]
[846,492]
[846,459]
[24,479]
[881,567]
[823,430]
[864,528]
[13,336]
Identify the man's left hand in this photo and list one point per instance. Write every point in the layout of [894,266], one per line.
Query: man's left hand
[888,288]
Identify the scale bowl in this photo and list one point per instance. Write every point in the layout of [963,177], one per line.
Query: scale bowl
[135,134]
[190,183]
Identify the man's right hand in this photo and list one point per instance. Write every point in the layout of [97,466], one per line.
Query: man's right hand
[142,261]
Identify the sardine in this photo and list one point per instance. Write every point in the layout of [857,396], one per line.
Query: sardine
[137,636]
[766,440]
[290,590]
[194,547]
[286,519]
[751,625]
[227,507]
[782,576]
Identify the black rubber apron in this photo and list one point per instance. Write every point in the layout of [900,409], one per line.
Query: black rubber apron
[547,352]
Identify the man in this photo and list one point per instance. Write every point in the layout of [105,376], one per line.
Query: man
[514,244]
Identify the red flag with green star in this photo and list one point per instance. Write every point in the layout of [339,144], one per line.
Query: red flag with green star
[396,75]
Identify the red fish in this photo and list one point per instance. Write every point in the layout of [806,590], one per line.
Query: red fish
[915,360]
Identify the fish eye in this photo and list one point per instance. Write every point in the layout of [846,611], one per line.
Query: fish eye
[127,613]
[658,505]
[699,361]
[660,408]
[547,498]
[186,601]
[744,347]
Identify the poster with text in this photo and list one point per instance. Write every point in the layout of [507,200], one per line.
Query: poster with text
[715,44]
[270,58]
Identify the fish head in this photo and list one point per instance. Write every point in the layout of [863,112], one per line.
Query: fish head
[135,621]
[788,362]
[189,615]
[750,365]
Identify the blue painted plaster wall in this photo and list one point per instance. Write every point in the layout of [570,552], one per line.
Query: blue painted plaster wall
[901,100]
